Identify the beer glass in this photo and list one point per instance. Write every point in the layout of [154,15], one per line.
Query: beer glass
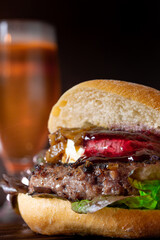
[29,86]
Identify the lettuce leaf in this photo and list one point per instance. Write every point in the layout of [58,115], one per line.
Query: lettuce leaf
[136,202]
[145,179]
[148,189]
[85,206]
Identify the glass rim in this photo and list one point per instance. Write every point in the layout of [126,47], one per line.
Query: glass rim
[24,20]
[26,30]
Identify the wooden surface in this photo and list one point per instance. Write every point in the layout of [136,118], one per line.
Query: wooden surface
[13,227]
[21,231]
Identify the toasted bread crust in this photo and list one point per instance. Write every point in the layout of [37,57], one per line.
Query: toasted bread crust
[54,217]
[133,91]
[125,103]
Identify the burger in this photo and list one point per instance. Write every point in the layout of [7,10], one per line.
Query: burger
[101,173]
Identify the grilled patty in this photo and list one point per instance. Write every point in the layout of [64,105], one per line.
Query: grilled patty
[85,181]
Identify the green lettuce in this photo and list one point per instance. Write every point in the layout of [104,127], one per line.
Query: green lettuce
[149,190]
[145,179]
[85,206]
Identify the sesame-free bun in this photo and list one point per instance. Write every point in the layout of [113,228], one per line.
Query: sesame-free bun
[107,103]
[55,217]
[110,104]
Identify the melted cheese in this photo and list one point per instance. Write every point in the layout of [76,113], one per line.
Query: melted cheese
[72,153]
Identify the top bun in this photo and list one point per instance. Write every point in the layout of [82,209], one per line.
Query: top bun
[107,103]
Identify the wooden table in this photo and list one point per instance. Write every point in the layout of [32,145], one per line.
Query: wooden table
[13,227]
[21,231]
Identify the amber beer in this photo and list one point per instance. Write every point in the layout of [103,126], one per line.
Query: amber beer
[29,86]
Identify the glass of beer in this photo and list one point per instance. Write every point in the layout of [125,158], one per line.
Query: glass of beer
[29,86]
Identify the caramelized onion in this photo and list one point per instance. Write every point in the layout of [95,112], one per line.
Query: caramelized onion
[103,144]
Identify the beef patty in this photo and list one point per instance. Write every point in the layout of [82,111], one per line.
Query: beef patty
[85,181]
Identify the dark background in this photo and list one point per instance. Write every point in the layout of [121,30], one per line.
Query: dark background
[100,39]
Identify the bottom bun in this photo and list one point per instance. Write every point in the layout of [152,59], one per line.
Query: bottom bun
[54,216]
